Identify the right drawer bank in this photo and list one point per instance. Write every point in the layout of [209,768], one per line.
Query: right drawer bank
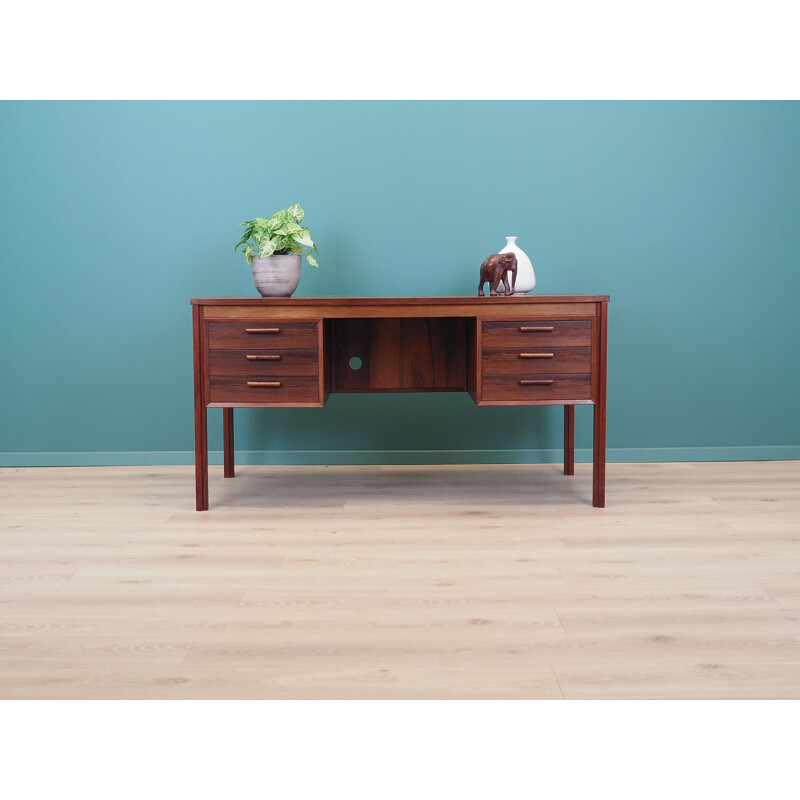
[536,361]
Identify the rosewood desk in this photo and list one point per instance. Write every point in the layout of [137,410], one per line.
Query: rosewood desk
[504,351]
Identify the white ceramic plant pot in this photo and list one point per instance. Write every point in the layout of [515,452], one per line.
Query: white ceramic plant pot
[276,276]
[526,279]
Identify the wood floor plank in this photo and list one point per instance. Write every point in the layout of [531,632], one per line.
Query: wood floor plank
[665,619]
[401,582]
[287,680]
[748,680]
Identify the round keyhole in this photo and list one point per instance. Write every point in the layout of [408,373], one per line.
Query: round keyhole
[355,362]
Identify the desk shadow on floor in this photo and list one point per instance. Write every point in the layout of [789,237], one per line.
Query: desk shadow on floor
[476,488]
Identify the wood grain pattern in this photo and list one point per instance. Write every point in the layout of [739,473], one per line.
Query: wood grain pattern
[529,386]
[379,308]
[265,388]
[389,302]
[227,442]
[512,361]
[410,354]
[569,440]
[200,413]
[401,582]
[599,441]
[472,358]
[261,362]
[526,334]
[275,334]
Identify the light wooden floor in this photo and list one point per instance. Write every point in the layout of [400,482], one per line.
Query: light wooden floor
[401,582]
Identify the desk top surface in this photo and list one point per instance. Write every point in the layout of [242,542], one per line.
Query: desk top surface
[406,301]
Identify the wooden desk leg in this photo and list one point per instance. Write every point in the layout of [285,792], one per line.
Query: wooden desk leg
[599,459]
[227,441]
[569,440]
[201,455]
[599,465]
[200,415]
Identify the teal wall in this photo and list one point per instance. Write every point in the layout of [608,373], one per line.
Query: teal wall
[114,214]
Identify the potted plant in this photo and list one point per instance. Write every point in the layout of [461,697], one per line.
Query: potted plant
[273,248]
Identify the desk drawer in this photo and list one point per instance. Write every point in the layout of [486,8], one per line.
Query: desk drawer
[537,333]
[275,335]
[508,361]
[264,362]
[277,389]
[536,387]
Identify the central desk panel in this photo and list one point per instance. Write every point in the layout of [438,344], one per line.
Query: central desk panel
[409,354]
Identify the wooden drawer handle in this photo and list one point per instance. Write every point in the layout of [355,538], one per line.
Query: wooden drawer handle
[263,330]
[525,329]
[262,358]
[264,383]
[536,383]
[536,355]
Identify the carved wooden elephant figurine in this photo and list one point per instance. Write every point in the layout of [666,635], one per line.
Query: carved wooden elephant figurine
[495,269]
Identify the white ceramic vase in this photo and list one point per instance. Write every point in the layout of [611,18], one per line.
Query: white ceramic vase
[276,276]
[526,279]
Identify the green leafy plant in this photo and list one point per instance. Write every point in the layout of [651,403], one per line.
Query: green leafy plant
[280,235]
